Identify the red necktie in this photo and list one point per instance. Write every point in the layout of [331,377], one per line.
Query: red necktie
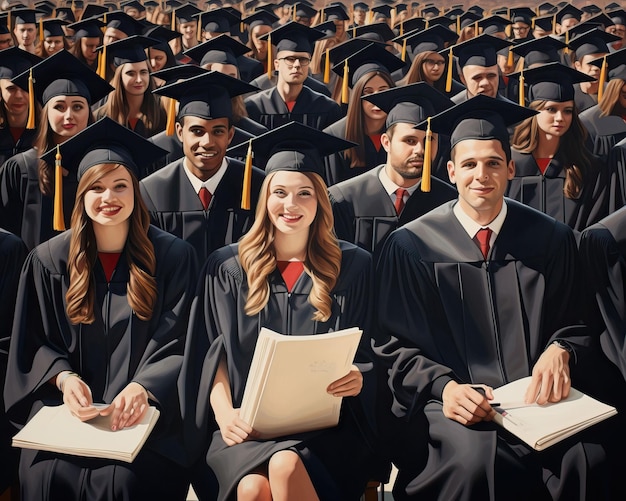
[483,237]
[400,192]
[205,197]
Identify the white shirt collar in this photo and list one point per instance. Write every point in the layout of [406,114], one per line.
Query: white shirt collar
[472,227]
[390,186]
[211,183]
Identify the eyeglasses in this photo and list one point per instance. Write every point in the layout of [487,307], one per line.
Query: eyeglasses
[291,60]
[434,62]
[521,28]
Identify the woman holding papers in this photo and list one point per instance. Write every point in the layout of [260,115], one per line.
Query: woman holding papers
[100,319]
[291,275]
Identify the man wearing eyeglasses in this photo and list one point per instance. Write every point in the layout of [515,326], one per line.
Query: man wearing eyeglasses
[291,100]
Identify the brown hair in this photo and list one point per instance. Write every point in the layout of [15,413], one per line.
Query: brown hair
[355,118]
[138,251]
[576,161]
[44,141]
[609,104]
[323,259]
[416,74]
[154,116]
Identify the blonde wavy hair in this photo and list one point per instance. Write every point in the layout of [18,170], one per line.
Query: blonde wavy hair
[138,251]
[323,258]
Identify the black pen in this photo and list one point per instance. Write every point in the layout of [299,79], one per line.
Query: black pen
[481,390]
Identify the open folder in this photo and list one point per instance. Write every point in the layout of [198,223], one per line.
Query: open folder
[55,429]
[286,388]
[541,426]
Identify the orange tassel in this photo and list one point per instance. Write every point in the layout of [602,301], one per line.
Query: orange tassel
[247,179]
[171,117]
[428,148]
[345,89]
[30,123]
[41,37]
[403,54]
[510,60]
[449,72]
[521,90]
[102,63]
[270,63]
[327,67]
[58,220]
[602,80]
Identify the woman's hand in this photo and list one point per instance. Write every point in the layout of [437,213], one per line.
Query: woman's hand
[348,386]
[128,408]
[465,404]
[77,397]
[234,430]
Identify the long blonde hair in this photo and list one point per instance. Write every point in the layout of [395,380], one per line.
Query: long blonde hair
[138,251]
[323,259]
[609,104]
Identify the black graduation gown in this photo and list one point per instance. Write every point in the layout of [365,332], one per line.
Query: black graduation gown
[617,165]
[583,100]
[444,313]
[24,210]
[114,350]
[174,206]
[604,132]
[311,108]
[249,68]
[365,215]
[8,147]
[338,459]
[264,83]
[336,166]
[12,255]
[545,192]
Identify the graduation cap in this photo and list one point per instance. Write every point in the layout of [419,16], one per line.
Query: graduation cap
[373,58]
[133,4]
[87,28]
[26,16]
[121,21]
[46,7]
[63,75]
[14,61]
[539,50]
[302,10]
[612,66]
[546,23]
[179,72]
[336,13]
[454,13]
[546,8]
[431,39]
[53,28]
[260,18]
[104,142]
[551,82]
[467,19]
[612,6]
[93,10]
[129,50]
[479,51]
[162,34]
[477,9]
[380,32]
[568,12]
[65,13]
[430,11]
[479,118]
[522,15]
[294,37]
[296,147]
[381,8]
[494,24]
[222,49]
[362,6]
[406,26]
[592,42]
[601,21]
[328,28]
[618,16]
[345,49]
[591,9]
[4,29]
[217,20]
[439,20]
[185,13]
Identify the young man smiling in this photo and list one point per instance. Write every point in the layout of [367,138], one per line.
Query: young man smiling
[198,197]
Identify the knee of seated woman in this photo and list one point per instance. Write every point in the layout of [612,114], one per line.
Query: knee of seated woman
[284,463]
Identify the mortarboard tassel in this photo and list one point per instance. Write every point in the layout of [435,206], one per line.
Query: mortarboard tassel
[425,185]
[171,117]
[270,63]
[345,92]
[295,11]
[554,24]
[602,79]
[427,25]
[532,24]
[247,179]
[566,49]
[354,32]
[458,25]
[173,21]
[475,28]
[242,27]
[403,54]
[58,220]
[41,37]
[522,97]
[449,71]
[30,123]
[102,66]
[199,29]
[327,67]
[510,60]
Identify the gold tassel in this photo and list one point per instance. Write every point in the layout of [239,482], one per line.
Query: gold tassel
[475,28]
[521,90]
[41,37]
[294,12]
[173,21]
[270,63]
[427,160]
[354,32]
[602,80]
[427,25]
[199,29]
[171,117]
[403,55]
[532,24]
[566,49]
[30,123]
[327,67]
[58,220]
[345,90]
[458,25]
[449,72]
[510,60]
[102,67]
[247,179]
[554,24]
[242,27]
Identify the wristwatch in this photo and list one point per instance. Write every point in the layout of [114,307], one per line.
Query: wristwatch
[565,346]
